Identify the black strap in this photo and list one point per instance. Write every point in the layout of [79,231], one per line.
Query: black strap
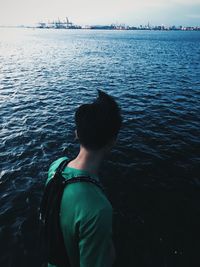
[61,167]
[51,238]
[86,179]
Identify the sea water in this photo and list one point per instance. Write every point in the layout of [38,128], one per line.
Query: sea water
[151,175]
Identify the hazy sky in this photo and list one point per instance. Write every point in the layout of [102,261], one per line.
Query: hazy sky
[132,12]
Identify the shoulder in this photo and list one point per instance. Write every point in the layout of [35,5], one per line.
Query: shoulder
[54,165]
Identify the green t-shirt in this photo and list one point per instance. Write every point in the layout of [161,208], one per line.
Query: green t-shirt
[86,220]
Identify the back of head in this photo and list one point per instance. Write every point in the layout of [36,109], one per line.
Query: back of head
[98,123]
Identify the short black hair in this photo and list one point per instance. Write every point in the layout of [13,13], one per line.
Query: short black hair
[98,123]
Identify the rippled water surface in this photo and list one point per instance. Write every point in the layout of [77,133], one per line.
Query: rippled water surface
[152,174]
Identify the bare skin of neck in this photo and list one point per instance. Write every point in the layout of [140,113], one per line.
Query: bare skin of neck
[88,160]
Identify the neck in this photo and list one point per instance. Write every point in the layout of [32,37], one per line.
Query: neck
[87,160]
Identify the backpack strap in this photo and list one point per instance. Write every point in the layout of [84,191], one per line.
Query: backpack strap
[60,168]
[51,238]
[86,179]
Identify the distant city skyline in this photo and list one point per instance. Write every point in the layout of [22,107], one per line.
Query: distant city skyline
[93,12]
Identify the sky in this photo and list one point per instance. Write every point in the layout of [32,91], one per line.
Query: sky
[94,12]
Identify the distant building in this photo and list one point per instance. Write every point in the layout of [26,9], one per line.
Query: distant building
[66,24]
[58,24]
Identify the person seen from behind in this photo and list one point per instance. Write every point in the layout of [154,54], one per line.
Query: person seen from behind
[85,213]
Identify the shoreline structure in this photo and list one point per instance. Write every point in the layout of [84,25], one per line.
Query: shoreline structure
[66,24]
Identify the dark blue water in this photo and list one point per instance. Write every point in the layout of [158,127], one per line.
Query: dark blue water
[152,174]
